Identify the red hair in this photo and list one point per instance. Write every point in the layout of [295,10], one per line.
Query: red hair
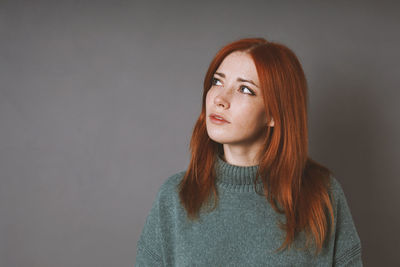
[294,184]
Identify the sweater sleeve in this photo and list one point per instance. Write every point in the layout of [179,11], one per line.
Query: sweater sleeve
[149,245]
[347,247]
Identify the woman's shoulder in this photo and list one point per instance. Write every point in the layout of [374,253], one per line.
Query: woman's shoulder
[170,184]
[336,189]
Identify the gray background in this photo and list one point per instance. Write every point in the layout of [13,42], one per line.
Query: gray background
[98,100]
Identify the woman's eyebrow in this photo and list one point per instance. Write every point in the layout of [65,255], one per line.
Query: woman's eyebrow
[238,79]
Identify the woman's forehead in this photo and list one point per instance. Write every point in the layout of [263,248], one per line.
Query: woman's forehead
[239,64]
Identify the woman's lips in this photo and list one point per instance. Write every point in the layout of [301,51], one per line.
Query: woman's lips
[217,119]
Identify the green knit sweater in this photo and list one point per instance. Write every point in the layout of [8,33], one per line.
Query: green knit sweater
[242,231]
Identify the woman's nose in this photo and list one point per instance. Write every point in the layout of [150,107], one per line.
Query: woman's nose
[222,99]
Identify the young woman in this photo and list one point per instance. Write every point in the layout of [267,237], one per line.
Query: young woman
[251,195]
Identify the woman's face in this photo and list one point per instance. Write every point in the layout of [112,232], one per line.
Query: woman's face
[236,97]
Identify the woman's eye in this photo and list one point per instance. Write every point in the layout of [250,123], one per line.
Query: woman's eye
[214,81]
[245,87]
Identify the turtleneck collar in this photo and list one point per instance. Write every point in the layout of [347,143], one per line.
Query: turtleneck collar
[236,178]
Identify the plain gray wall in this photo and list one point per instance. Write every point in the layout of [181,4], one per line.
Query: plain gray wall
[99,99]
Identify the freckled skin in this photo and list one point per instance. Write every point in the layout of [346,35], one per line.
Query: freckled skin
[235,101]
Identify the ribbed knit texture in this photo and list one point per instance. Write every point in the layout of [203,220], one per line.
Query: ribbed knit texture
[235,178]
[242,231]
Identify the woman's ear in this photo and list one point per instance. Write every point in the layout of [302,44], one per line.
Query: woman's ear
[271,123]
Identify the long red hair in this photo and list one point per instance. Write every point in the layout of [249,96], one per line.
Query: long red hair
[294,184]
